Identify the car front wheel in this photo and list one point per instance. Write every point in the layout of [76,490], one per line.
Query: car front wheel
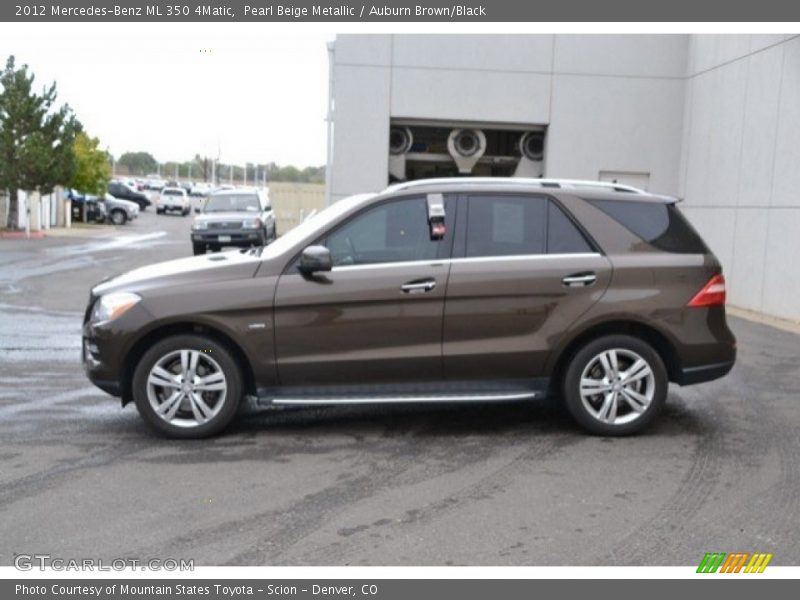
[615,385]
[198,249]
[118,217]
[187,386]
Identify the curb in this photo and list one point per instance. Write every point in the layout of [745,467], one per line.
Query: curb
[21,235]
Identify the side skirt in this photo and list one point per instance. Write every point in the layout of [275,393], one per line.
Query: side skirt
[431,393]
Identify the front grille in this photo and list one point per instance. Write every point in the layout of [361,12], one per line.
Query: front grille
[225,225]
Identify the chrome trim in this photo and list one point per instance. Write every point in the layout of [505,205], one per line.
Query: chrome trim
[444,261]
[479,259]
[579,279]
[495,397]
[399,264]
[516,181]
[423,286]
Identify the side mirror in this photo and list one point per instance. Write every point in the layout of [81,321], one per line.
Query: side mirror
[315,259]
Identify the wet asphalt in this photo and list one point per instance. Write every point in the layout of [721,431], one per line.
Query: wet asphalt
[514,484]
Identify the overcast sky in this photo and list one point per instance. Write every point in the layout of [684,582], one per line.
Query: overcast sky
[259,94]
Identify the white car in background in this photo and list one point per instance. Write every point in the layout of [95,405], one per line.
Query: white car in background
[120,211]
[201,190]
[173,199]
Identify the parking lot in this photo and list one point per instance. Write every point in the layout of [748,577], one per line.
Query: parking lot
[514,484]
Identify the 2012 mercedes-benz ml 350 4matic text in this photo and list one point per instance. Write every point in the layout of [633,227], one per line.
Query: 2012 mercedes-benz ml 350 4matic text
[456,290]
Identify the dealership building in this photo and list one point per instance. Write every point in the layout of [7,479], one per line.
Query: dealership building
[712,119]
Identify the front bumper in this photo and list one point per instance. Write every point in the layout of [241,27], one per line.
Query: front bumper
[96,370]
[229,237]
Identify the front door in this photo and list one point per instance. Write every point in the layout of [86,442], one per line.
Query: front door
[376,318]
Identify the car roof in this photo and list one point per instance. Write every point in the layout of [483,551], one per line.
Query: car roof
[583,188]
[236,192]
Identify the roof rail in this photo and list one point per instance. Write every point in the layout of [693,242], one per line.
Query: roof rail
[528,181]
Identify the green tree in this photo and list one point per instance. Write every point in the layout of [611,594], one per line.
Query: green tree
[138,163]
[92,171]
[36,137]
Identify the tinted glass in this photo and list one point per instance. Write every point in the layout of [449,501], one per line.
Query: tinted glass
[391,232]
[506,225]
[563,237]
[172,193]
[660,225]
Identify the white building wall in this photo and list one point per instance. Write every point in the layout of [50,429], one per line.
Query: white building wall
[712,118]
[740,173]
[573,84]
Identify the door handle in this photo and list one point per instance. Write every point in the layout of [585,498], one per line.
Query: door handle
[579,279]
[418,287]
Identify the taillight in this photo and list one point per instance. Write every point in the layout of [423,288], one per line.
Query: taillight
[712,294]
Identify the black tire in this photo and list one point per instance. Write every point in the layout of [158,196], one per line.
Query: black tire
[159,211]
[118,216]
[587,357]
[207,346]
[142,205]
[198,249]
[214,247]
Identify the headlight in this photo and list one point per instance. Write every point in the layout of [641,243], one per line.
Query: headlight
[251,224]
[114,305]
[200,225]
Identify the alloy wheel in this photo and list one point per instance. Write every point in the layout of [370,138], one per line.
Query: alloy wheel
[617,386]
[186,388]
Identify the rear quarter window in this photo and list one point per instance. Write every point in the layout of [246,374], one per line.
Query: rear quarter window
[659,224]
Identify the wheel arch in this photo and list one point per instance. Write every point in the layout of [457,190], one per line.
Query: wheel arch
[164,331]
[647,333]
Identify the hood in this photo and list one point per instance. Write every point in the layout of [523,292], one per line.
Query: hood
[214,217]
[194,270]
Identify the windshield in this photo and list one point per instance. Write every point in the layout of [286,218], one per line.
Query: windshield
[172,193]
[313,224]
[232,203]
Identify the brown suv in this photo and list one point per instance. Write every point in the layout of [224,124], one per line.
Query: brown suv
[458,290]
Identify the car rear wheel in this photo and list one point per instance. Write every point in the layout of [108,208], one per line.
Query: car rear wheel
[118,217]
[187,386]
[615,385]
[198,249]
[160,211]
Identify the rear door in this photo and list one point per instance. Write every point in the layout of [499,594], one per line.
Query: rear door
[377,316]
[522,272]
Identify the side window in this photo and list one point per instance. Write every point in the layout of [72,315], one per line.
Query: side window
[391,232]
[500,225]
[660,225]
[563,237]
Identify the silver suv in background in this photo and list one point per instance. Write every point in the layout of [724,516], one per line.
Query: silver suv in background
[120,211]
[233,218]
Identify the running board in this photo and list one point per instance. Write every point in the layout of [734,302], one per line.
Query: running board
[405,399]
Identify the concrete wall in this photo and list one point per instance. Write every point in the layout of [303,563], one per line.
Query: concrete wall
[612,103]
[293,202]
[740,172]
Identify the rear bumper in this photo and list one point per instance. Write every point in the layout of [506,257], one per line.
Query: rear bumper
[702,373]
